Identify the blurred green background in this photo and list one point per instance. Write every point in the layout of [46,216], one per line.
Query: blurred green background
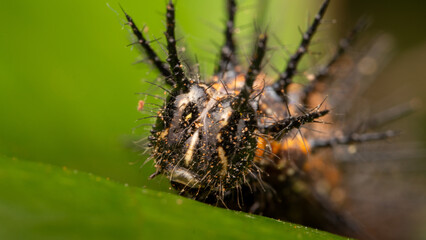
[67,89]
[68,82]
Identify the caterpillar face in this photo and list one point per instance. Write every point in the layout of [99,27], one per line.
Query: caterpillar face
[239,138]
[204,142]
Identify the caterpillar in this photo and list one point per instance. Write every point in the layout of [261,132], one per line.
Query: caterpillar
[244,140]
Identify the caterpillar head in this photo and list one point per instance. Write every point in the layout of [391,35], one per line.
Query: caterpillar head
[203,140]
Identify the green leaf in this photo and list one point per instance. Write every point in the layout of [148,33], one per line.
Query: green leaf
[39,201]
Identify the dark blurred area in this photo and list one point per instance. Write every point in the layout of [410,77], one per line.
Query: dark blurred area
[404,20]
[398,188]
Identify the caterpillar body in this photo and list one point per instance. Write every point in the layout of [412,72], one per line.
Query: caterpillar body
[247,141]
